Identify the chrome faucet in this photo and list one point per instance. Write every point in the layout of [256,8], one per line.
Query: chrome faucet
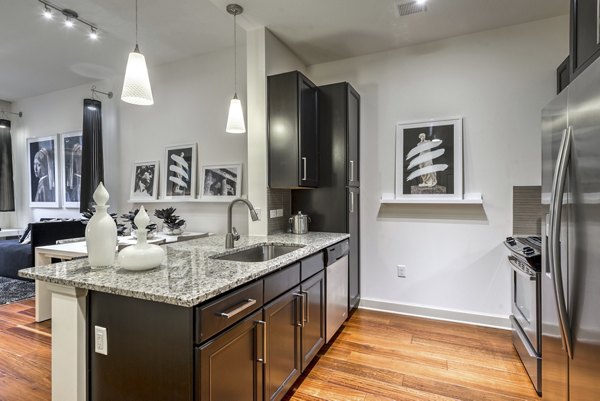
[232,234]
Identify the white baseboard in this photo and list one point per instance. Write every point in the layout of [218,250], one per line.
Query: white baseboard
[478,319]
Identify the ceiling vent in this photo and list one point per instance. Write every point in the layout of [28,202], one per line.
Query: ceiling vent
[410,7]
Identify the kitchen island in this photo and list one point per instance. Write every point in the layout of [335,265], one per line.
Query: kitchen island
[177,294]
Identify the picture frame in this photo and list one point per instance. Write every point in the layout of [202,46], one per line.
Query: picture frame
[42,156]
[71,146]
[221,182]
[144,180]
[429,159]
[180,171]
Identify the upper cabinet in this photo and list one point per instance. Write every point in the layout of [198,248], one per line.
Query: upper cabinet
[585,34]
[292,124]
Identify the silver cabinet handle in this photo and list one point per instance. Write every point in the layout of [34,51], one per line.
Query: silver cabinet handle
[264,342]
[306,306]
[248,303]
[352,166]
[556,201]
[304,169]
[300,296]
[520,270]
[524,339]
[351,202]
[598,22]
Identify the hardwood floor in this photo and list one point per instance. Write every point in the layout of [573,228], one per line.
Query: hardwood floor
[24,354]
[381,356]
[377,357]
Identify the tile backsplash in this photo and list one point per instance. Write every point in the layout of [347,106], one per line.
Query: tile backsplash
[527,210]
[279,199]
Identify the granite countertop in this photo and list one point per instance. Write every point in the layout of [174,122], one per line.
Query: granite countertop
[187,276]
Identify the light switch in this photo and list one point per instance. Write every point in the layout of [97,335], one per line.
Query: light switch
[101,340]
[279,212]
[273,213]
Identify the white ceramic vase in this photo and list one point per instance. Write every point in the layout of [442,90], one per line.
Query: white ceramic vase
[142,255]
[101,232]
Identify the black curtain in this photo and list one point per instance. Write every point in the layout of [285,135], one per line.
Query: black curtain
[7,190]
[92,161]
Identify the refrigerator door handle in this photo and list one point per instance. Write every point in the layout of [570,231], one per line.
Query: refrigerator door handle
[560,175]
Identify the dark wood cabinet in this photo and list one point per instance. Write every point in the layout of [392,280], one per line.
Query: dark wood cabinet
[293,131]
[231,365]
[354,257]
[353,126]
[283,323]
[585,35]
[313,319]
[563,75]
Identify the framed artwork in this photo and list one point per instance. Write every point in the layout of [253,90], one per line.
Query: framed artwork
[43,171]
[70,151]
[429,159]
[221,182]
[181,167]
[144,180]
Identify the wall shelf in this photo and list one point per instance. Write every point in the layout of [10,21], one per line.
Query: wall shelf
[468,199]
[187,200]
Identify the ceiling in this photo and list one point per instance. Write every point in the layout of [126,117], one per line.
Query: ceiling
[39,56]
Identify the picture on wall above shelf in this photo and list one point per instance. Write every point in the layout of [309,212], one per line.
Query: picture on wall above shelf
[180,175]
[221,183]
[43,171]
[144,181]
[429,160]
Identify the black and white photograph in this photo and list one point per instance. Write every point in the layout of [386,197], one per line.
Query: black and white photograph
[71,147]
[221,182]
[429,159]
[180,177]
[144,180]
[43,169]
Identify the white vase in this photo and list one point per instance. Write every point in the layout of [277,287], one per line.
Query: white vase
[142,255]
[101,232]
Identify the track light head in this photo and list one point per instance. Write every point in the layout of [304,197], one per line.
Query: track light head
[70,16]
[93,34]
[47,12]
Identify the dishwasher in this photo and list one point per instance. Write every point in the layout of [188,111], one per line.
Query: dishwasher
[336,277]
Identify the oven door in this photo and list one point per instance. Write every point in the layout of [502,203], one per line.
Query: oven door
[524,285]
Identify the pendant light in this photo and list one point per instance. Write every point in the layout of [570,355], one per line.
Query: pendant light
[235,119]
[136,85]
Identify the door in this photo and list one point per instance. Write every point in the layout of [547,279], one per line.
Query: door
[583,201]
[313,319]
[554,357]
[354,257]
[231,365]
[353,116]
[309,133]
[282,317]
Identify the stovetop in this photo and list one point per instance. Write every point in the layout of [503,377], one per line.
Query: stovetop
[527,248]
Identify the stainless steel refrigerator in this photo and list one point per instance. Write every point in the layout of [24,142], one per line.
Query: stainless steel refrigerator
[571,241]
[335,205]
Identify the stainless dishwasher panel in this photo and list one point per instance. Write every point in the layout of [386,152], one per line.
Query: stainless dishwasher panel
[337,296]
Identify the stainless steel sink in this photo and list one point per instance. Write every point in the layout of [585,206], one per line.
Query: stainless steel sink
[259,253]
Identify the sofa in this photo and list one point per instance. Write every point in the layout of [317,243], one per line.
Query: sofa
[15,256]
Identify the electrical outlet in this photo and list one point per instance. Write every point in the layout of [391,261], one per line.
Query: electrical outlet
[401,271]
[273,213]
[279,212]
[101,340]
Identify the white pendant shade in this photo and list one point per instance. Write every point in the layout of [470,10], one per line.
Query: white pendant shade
[136,86]
[235,119]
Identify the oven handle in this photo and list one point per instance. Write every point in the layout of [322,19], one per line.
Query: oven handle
[519,270]
[523,338]
[556,201]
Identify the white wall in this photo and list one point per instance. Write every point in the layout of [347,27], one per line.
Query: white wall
[498,81]
[191,103]
[281,58]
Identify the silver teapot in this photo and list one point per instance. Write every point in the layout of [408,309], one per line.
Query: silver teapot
[299,223]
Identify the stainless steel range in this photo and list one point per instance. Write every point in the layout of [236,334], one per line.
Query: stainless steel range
[525,259]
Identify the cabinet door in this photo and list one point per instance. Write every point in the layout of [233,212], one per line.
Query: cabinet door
[231,365]
[309,134]
[353,116]
[585,40]
[313,318]
[282,317]
[354,258]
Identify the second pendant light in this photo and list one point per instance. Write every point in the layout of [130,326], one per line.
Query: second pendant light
[136,85]
[235,119]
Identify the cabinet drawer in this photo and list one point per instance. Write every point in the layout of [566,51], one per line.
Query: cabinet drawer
[227,310]
[312,265]
[283,280]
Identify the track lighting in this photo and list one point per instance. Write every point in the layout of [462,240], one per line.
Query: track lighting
[71,17]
